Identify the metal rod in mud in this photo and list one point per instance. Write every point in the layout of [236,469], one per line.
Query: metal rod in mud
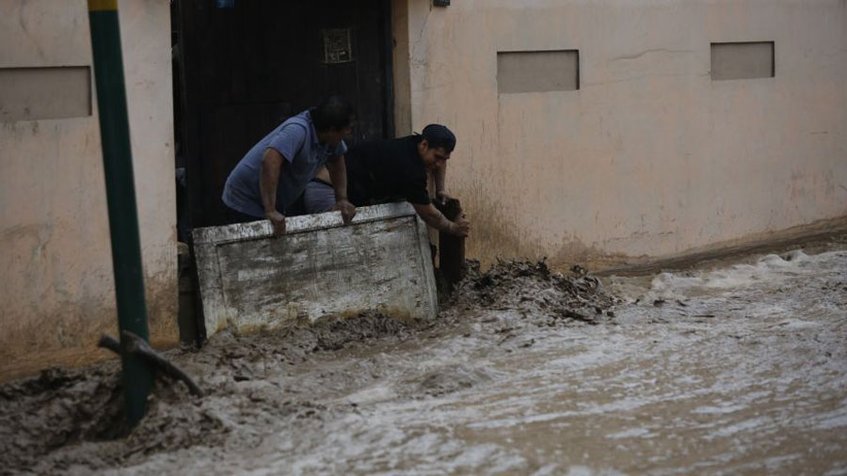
[451,252]
[120,195]
[136,345]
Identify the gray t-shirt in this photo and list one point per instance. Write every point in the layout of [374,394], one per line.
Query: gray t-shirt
[297,140]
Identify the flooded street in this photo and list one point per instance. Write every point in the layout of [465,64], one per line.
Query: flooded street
[739,368]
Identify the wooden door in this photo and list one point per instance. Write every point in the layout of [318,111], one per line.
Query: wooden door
[245,68]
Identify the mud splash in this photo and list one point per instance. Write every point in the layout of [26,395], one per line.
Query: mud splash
[736,368]
[532,289]
[56,409]
[71,420]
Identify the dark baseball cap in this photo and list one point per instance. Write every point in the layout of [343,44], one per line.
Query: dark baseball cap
[439,136]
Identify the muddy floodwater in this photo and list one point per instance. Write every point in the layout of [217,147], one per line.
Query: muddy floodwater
[731,369]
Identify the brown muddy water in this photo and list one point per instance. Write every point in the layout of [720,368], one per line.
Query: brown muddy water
[738,368]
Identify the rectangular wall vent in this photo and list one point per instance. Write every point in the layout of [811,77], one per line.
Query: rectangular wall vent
[537,71]
[745,60]
[28,94]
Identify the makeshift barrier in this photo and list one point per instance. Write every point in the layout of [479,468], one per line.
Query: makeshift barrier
[250,280]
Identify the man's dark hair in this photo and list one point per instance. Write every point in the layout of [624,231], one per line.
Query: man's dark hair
[438,136]
[334,112]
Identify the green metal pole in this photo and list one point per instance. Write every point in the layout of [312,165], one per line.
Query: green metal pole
[120,194]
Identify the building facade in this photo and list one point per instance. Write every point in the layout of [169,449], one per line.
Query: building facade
[647,147]
[605,132]
[58,291]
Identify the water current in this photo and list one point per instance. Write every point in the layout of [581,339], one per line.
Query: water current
[732,369]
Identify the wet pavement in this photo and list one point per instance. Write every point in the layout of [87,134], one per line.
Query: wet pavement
[738,368]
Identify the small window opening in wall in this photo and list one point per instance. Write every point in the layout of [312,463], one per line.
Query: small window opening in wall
[537,71]
[29,94]
[743,60]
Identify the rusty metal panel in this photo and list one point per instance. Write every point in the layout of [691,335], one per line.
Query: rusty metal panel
[250,280]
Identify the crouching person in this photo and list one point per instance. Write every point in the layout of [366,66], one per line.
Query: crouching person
[273,174]
[391,170]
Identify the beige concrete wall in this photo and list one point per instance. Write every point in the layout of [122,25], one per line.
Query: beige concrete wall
[650,157]
[57,288]
[401,67]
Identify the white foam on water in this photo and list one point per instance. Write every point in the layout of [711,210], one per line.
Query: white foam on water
[719,410]
[769,270]
[631,433]
[747,374]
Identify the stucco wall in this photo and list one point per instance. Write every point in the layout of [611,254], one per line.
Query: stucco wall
[56,264]
[650,157]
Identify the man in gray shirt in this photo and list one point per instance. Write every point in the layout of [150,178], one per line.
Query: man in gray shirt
[274,173]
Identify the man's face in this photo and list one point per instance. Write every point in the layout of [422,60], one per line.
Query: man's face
[333,137]
[432,157]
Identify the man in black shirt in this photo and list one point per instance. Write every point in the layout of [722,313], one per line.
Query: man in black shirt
[392,170]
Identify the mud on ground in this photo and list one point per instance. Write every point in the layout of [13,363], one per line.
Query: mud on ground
[71,420]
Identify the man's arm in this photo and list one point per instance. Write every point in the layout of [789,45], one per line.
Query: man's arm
[272,162]
[338,176]
[434,218]
[438,176]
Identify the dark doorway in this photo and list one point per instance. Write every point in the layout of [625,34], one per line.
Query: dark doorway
[243,66]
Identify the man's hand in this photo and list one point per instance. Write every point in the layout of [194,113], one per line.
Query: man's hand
[460,227]
[348,211]
[277,220]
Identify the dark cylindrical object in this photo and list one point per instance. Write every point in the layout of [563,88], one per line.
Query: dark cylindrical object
[451,254]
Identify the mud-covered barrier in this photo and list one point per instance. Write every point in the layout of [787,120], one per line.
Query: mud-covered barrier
[71,420]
